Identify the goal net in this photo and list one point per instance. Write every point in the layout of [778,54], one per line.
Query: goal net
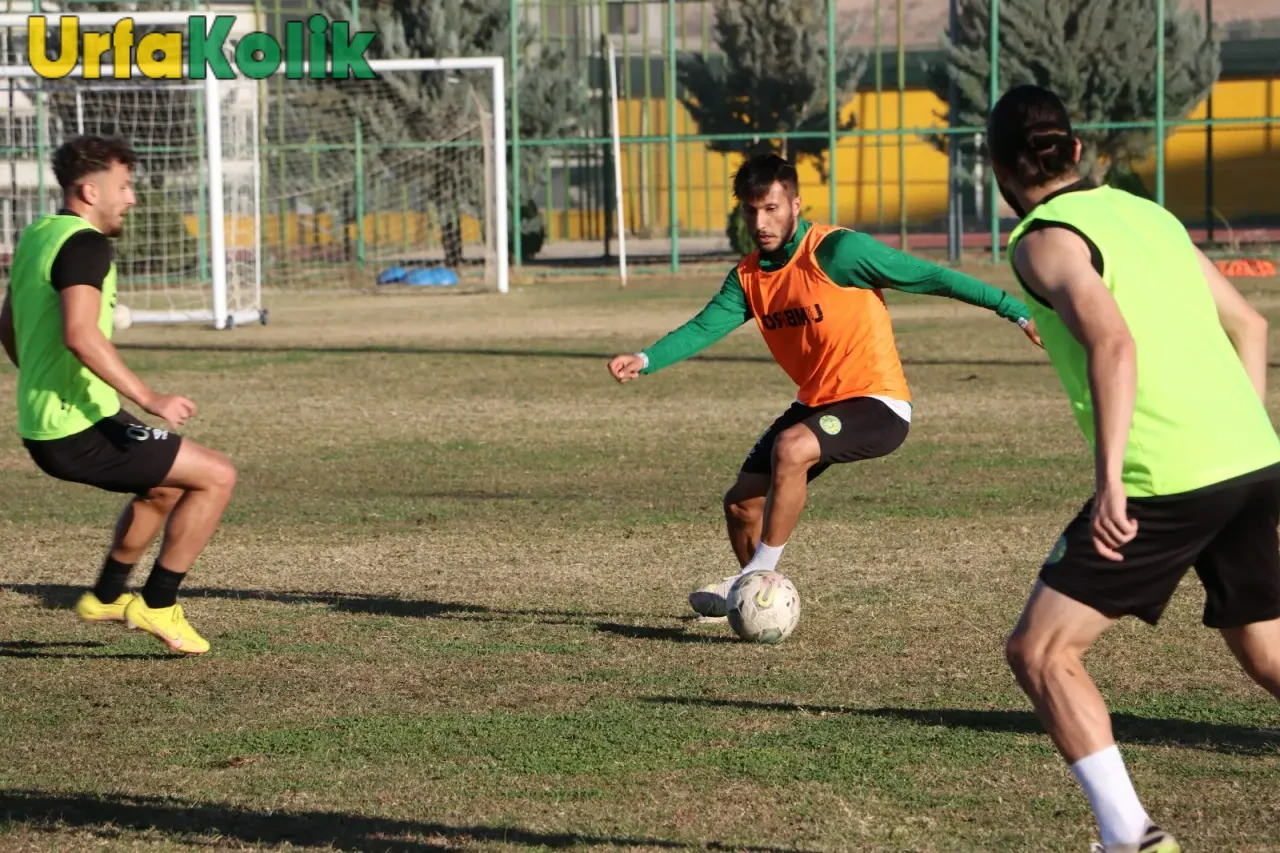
[409,156]
[252,186]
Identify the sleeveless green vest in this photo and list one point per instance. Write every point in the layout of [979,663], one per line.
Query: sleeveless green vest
[57,395]
[1197,418]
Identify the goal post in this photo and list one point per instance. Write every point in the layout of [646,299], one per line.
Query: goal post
[272,182]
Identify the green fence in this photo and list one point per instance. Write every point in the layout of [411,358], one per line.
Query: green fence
[690,200]
[892,161]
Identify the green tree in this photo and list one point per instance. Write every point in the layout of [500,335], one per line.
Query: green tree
[1098,55]
[156,240]
[554,100]
[769,79]
[161,123]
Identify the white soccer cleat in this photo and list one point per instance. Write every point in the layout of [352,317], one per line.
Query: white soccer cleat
[712,599]
[1154,840]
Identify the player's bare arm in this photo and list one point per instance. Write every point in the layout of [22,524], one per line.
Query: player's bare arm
[81,308]
[1246,328]
[1055,264]
[7,339]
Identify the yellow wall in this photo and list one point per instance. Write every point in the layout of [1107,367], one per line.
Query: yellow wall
[1246,158]
[314,231]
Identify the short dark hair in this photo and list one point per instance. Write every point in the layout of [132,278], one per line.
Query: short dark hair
[85,155]
[762,171]
[1029,134]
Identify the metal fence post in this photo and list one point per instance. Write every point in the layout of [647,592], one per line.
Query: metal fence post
[902,125]
[671,135]
[1160,12]
[517,221]
[833,112]
[995,96]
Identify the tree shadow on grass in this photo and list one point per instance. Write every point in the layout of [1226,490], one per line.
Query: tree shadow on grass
[1224,738]
[112,815]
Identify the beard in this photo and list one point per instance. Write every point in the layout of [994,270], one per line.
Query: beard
[782,235]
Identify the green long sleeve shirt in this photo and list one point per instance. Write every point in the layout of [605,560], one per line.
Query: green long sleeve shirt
[850,259]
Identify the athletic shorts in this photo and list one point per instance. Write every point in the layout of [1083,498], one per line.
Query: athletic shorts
[1227,532]
[117,454]
[848,430]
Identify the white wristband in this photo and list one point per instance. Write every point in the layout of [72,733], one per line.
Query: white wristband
[644,358]
[1023,322]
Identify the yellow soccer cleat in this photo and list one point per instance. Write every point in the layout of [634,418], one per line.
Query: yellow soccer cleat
[90,609]
[1154,840]
[168,625]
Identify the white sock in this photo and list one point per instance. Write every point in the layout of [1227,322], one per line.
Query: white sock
[764,559]
[1121,818]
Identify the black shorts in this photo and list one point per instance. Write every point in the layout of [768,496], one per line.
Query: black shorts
[1226,531]
[117,454]
[848,430]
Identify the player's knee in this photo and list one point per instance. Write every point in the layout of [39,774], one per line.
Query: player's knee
[1040,661]
[795,450]
[219,474]
[1264,669]
[223,475]
[1024,655]
[164,498]
[743,511]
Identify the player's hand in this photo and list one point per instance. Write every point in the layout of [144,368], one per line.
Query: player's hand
[174,409]
[1112,527]
[624,368]
[1032,334]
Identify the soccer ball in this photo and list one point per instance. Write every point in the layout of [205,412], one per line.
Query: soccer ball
[764,607]
[121,317]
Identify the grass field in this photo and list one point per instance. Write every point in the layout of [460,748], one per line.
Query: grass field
[447,606]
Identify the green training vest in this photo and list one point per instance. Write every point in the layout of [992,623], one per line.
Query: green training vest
[1197,419]
[57,395]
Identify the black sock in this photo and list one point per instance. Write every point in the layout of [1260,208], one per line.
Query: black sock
[162,587]
[112,580]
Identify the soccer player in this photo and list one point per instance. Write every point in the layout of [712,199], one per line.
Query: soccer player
[815,292]
[56,326]
[1165,366]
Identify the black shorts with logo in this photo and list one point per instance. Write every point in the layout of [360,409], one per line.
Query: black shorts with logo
[847,430]
[117,454]
[1227,532]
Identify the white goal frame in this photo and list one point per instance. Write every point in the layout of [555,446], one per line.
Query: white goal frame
[219,315]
